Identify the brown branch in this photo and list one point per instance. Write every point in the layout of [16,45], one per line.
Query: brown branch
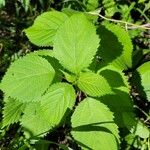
[131,25]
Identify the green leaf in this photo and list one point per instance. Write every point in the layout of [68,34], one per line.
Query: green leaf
[89,16]
[115,46]
[33,121]
[92,4]
[27,78]
[93,126]
[49,56]
[141,130]
[45,26]
[49,53]
[12,111]
[120,101]
[121,104]
[110,7]
[93,84]
[69,12]
[52,109]
[133,140]
[142,79]
[70,77]
[115,77]
[58,100]
[73,46]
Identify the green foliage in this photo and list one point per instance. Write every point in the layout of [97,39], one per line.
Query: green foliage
[93,126]
[119,101]
[92,4]
[48,113]
[110,7]
[42,99]
[12,111]
[115,77]
[139,138]
[141,130]
[28,78]
[93,84]
[142,76]
[75,49]
[43,30]
[117,46]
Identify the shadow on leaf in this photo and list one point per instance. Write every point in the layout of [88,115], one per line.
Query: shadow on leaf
[113,78]
[121,104]
[110,48]
[94,127]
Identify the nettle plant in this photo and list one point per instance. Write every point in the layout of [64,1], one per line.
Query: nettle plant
[79,81]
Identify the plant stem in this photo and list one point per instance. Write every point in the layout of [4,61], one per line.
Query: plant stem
[144,26]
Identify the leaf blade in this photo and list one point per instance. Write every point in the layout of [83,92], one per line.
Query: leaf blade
[45,26]
[52,109]
[141,80]
[12,111]
[93,126]
[118,52]
[73,46]
[93,84]
[27,78]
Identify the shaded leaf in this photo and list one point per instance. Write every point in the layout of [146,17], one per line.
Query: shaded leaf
[121,104]
[115,46]
[120,101]
[142,79]
[52,109]
[45,52]
[93,126]
[115,77]
[49,56]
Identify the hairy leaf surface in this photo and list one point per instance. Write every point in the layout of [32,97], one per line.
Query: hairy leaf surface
[28,78]
[12,111]
[93,126]
[45,26]
[73,46]
[93,84]
[115,46]
[54,106]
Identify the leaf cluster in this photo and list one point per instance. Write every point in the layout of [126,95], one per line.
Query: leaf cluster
[41,88]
